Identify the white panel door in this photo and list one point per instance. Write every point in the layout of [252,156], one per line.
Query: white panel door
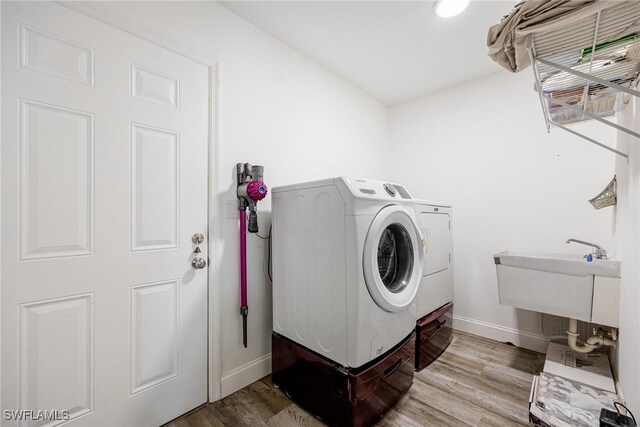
[436,232]
[104,182]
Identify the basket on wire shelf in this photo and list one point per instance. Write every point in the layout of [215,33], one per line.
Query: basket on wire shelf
[607,197]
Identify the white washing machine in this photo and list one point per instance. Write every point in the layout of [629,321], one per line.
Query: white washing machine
[347,263]
[436,286]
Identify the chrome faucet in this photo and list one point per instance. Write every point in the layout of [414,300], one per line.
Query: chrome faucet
[598,250]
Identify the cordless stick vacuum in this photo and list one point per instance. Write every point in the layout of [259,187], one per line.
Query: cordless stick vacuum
[250,191]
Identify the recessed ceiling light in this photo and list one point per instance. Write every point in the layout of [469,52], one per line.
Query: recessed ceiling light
[449,8]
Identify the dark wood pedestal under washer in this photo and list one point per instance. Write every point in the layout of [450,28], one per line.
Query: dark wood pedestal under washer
[338,396]
[433,335]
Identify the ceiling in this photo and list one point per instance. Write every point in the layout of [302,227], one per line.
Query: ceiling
[393,50]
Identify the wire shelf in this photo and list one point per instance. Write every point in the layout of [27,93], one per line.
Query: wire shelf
[588,70]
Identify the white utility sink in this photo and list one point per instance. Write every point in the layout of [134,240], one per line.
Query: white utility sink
[561,284]
[575,265]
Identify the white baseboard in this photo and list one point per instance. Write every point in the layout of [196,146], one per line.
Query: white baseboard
[244,375]
[518,338]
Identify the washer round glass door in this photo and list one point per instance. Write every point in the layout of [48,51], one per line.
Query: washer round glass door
[392,258]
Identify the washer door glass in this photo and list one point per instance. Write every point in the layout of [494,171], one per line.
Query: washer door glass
[395,257]
[392,258]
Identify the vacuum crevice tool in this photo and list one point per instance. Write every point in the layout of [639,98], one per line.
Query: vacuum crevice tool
[244,311]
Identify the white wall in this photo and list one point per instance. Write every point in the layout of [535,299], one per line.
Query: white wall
[279,109]
[483,147]
[627,241]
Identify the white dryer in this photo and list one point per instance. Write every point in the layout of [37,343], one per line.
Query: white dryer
[436,286]
[347,263]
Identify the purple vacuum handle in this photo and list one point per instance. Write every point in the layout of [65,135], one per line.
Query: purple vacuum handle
[243,258]
[244,308]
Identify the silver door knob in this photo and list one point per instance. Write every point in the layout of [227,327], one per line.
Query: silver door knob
[197,238]
[198,263]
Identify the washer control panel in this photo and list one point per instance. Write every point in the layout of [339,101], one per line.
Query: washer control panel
[377,189]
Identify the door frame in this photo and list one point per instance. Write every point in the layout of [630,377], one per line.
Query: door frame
[95,11]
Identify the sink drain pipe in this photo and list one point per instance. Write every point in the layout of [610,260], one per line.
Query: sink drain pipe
[592,342]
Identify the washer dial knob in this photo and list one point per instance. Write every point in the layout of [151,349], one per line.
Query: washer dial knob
[390,189]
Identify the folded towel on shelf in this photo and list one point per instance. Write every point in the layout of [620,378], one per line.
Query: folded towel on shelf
[508,40]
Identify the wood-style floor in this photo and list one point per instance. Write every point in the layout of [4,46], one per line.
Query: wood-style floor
[476,382]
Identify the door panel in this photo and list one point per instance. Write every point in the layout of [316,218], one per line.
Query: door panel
[153,86]
[104,181]
[437,242]
[154,188]
[59,329]
[154,334]
[55,56]
[56,161]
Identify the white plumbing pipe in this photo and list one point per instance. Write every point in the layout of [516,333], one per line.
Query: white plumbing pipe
[592,342]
